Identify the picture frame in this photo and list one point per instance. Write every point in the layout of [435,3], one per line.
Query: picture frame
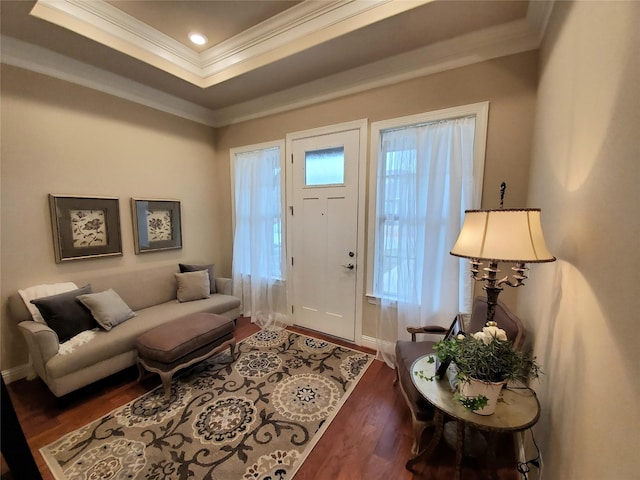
[157,224]
[456,327]
[85,227]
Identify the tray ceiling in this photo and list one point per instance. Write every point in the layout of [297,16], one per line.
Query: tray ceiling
[262,56]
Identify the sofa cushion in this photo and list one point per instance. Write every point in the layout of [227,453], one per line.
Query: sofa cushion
[64,314]
[138,288]
[107,308]
[211,268]
[193,285]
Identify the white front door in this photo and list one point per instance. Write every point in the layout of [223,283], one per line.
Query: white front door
[323,224]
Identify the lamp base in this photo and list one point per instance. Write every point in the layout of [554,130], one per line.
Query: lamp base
[493,285]
[492,300]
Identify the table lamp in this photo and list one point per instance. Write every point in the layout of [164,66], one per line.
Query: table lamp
[503,235]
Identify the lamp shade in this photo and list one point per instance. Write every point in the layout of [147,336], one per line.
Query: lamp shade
[507,235]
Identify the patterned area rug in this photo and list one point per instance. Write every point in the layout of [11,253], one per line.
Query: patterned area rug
[255,417]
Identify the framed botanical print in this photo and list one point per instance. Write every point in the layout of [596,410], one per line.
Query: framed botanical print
[156,224]
[85,227]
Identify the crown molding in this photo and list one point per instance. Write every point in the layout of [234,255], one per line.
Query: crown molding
[40,60]
[507,39]
[302,26]
[110,26]
[538,15]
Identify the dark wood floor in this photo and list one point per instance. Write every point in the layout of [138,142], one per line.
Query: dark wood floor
[370,438]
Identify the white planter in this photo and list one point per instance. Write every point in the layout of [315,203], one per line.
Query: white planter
[473,388]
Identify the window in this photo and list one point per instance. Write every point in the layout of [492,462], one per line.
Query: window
[398,170]
[324,167]
[258,247]
[428,170]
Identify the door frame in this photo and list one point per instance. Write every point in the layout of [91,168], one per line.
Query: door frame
[362,126]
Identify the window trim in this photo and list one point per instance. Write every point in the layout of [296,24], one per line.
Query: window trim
[480,110]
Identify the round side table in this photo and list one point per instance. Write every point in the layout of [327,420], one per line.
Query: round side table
[517,410]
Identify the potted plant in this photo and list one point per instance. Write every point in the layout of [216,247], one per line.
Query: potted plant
[484,362]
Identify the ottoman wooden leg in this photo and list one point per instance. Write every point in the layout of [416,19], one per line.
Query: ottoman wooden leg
[141,371]
[166,383]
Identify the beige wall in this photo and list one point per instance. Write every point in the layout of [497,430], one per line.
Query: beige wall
[583,309]
[508,83]
[61,138]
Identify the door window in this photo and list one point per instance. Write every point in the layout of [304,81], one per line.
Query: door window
[324,167]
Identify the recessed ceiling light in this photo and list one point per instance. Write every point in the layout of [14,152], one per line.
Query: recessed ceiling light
[197,38]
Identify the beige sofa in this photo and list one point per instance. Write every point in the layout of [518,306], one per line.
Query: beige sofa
[150,293]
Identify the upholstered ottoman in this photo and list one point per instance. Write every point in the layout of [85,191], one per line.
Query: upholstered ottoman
[180,343]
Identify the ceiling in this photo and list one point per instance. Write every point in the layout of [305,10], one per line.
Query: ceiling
[263,56]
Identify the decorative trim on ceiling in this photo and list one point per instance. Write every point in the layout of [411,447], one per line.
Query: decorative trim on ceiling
[302,26]
[114,28]
[40,60]
[507,39]
[514,37]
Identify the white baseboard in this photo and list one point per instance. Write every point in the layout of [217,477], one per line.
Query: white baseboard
[369,342]
[519,438]
[372,343]
[16,373]
[522,446]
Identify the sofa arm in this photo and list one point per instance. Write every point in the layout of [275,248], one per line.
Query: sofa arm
[224,286]
[42,343]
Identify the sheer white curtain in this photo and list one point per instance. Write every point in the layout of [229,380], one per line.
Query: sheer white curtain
[425,182]
[258,241]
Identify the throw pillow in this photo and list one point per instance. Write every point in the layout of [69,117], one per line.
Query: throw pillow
[39,291]
[64,314]
[211,268]
[193,285]
[107,308]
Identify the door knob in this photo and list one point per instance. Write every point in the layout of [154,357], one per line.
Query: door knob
[352,254]
[351,266]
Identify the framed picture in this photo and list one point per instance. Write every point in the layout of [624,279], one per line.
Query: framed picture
[456,327]
[156,224]
[85,227]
